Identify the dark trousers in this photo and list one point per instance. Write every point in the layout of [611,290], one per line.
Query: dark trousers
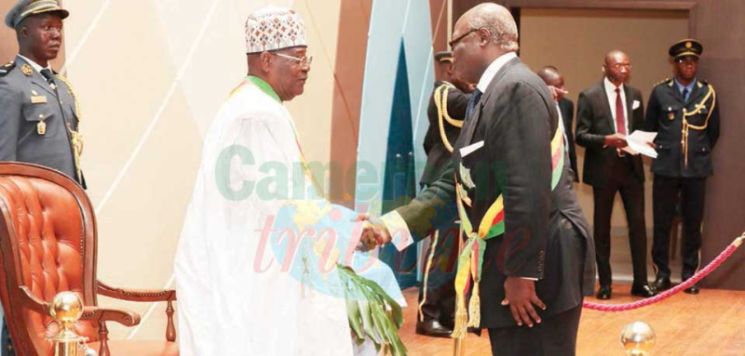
[666,192]
[7,346]
[554,336]
[624,181]
[440,279]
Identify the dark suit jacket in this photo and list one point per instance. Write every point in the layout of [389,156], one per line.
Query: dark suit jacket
[665,116]
[594,122]
[567,114]
[546,235]
[438,156]
[25,100]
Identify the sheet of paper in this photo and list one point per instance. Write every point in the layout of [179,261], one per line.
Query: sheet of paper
[639,143]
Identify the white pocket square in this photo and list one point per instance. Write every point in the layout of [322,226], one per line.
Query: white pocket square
[636,105]
[465,151]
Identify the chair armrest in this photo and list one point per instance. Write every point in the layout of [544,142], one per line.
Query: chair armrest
[121,316]
[167,295]
[29,300]
[136,295]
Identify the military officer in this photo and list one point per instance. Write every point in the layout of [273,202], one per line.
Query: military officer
[447,108]
[40,114]
[685,114]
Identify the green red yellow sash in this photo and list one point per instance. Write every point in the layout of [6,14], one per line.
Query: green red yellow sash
[470,261]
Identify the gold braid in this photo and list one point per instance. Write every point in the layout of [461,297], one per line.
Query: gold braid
[72,93]
[441,102]
[76,139]
[686,126]
[427,268]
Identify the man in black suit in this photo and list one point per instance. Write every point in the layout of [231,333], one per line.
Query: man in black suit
[447,108]
[685,114]
[553,78]
[606,113]
[529,252]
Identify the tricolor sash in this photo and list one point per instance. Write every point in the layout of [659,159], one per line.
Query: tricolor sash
[471,259]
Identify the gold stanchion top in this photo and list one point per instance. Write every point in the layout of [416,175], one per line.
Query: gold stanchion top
[66,308]
[738,241]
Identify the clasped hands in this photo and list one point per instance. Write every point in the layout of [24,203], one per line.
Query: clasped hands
[374,233]
[520,295]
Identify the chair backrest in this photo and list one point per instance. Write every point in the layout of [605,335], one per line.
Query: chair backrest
[47,245]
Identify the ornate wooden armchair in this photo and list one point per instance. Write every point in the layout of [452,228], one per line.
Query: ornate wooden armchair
[48,244]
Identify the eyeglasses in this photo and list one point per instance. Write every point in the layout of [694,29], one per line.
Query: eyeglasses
[303,61]
[461,37]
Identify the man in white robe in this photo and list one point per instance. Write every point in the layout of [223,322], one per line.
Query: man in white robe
[242,291]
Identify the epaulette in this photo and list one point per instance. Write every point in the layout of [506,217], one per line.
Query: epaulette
[664,81]
[6,68]
[703,83]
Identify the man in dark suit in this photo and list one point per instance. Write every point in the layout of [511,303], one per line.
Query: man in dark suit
[553,78]
[606,113]
[447,108]
[685,114]
[529,252]
[39,117]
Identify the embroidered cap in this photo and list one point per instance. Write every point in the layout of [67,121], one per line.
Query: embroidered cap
[274,28]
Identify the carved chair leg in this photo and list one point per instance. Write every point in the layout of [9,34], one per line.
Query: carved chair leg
[103,338]
[170,329]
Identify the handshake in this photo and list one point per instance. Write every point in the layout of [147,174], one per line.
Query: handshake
[374,233]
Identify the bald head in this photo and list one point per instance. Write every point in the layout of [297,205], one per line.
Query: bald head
[553,78]
[481,35]
[549,74]
[497,20]
[614,55]
[617,67]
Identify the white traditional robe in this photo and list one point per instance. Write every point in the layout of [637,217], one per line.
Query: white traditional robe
[234,296]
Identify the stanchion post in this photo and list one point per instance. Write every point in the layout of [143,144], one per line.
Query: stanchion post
[459,347]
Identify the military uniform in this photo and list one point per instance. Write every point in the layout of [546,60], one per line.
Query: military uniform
[40,118]
[687,129]
[40,115]
[38,112]
[446,111]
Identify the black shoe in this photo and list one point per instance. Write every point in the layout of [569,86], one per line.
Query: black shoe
[431,327]
[603,293]
[692,289]
[662,284]
[643,291]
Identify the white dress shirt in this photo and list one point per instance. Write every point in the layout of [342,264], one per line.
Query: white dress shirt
[610,91]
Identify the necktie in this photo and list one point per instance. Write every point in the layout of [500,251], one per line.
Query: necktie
[685,94]
[47,74]
[620,116]
[475,97]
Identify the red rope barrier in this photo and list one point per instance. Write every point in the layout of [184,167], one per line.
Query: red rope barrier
[668,293]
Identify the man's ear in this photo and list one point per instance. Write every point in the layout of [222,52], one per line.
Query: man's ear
[484,37]
[22,31]
[265,58]
[449,69]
